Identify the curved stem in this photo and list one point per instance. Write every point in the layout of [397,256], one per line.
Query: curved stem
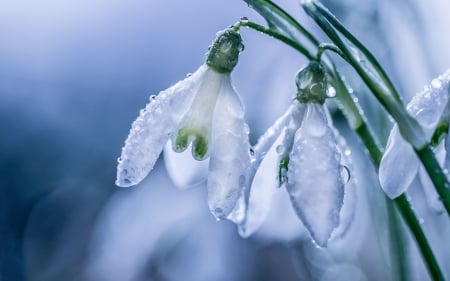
[271,7]
[330,47]
[276,35]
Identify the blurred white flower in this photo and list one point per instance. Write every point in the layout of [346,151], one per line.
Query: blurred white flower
[203,112]
[300,152]
[400,165]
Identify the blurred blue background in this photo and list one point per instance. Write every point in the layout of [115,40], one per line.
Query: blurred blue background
[73,76]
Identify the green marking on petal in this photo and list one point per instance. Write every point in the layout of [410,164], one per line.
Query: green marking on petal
[198,138]
[200,147]
[282,178]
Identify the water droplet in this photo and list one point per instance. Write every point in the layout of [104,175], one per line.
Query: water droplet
[436,83]
[347,152]
[152,97]
[241,47]
[345,174]
[280,149]
[355,99]
[244,19]
[119,160]
[421,220]
[188,75]
[331,92]
[252,152]
[218,219]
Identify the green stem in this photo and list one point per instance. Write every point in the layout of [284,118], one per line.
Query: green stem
[427,254]
[438,178]
[326,46]
[269,10]
[276,35]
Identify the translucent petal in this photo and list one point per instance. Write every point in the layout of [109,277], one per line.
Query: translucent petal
[263,173]
[314,177]
[428,106]
[184,170]
[263,187]
[150,131]
[347,212]
[229,156]
[398,166]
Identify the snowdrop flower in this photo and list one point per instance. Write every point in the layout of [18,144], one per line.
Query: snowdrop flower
[204,113]
[301,148]
[400,165]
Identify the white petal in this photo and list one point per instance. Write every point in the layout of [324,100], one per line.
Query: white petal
[398,166]
[314,178]
[347,213]
[150,131]
[229,156]
[262,190]
[427,106]
[264,171]
[184,170]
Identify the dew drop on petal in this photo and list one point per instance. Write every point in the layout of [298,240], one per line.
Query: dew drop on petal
[345,174]
[436,83]
[331,92]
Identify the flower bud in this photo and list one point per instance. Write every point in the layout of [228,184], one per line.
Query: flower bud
[224,52]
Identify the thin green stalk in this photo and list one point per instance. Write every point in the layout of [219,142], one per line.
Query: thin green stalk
[327,47]
[269,10]
[276,35]
[438,178]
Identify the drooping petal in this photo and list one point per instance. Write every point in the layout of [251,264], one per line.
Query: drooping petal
[150,131]
[347,212]
[264,171]
[400,164]
[229,156]
[184,170]
[314,181]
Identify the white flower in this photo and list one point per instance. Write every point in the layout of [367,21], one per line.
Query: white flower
[301,149]
[202,112]
[400,165]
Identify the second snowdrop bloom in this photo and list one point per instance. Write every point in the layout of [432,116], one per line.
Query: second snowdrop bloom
[400,165]
[307,162]
[204,113]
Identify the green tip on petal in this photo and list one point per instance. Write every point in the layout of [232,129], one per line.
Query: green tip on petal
[200,147]
[224,52]
[282,178]
[311,84]
[199,142]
